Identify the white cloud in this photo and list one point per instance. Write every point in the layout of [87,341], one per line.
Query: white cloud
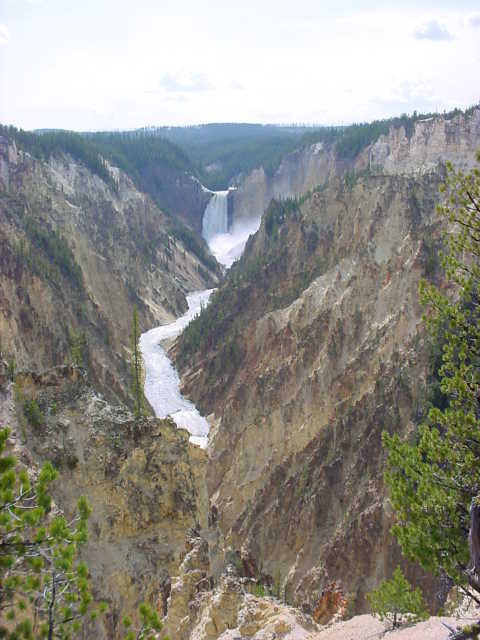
[185,83]
[432,30]
[301,69]
[4,35]
[474,20]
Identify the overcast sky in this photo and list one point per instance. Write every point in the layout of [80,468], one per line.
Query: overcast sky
[103,64]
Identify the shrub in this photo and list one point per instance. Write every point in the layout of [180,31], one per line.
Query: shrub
[32,412]
[11,368]
[396,601]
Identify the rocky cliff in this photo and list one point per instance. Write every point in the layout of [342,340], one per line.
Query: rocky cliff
[200,609]
[411,149]
[77,255]
[310,349]
[143,479]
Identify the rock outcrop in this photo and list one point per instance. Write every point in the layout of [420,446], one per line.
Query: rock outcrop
[401,152]
[144,482]
[77,255]
[200,610]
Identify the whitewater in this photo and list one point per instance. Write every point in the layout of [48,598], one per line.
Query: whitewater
[162,384]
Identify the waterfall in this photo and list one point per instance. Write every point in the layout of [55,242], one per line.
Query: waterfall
[215,218]
[225,243]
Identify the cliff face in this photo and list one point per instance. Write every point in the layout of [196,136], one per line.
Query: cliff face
[312,347]
[76,257]
[144,481]
[400,152]
[330,355]
[200,610]
[433,141]
[180,193]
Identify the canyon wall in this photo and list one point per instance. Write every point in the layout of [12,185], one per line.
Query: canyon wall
[77,255]
[420,149]
[310,349]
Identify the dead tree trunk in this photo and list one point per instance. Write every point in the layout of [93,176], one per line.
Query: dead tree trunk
[474,544]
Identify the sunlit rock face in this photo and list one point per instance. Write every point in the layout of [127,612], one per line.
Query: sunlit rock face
[77,255]
[323,315]
[400,152]
[200,608]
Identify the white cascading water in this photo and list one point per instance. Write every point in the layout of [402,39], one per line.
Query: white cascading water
[215,217]
[162,384]
[226,244]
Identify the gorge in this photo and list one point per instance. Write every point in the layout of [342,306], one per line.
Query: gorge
[262,472]
[161,380]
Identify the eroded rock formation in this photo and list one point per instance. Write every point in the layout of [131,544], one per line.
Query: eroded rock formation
[312,347]
[401,152]
[144,482]
[77,254]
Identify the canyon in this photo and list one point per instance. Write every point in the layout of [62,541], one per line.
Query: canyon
[311,344]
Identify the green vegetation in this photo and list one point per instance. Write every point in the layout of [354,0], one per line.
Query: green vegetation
[45,590]
[150,160]
[136,152]
[78,348]
[434,480]
[355,138]
[48,144]
[149,624]
[136,365]
[432,262]
[194,244]
[32,412]
[214,153]
[278,212]
[11,369]
[49,254]
[223,151]
[212,321]
[396,601]
[470,632]
[351,140]
[145,156]
[219,325]
[259,590]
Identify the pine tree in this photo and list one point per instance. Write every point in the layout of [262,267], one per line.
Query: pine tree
[435,480]
[45,590]
[136,365]
[397,602]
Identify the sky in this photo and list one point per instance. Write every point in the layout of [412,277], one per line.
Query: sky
[122,64]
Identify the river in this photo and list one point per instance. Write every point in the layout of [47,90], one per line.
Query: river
[162,384]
